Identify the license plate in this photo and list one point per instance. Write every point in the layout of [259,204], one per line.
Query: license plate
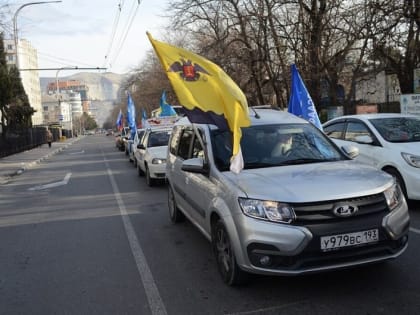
[349,239]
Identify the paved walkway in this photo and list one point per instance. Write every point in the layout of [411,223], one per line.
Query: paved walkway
[16,164]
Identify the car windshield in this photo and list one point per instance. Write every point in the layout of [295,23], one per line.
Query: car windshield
[398,129]
[275,145]
[158,138]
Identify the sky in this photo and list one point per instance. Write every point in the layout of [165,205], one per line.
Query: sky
[87,33]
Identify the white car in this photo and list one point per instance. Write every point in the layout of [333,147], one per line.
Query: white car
[151,154]
[391,142]
[132,148]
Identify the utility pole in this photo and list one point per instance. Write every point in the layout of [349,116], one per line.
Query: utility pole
[15,29]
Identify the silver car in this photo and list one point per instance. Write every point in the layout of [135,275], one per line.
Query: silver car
[300,205]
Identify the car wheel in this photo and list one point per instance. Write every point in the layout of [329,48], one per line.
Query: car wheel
[398,178]
[149,181]
[225,257]
[174,213]
[139,170]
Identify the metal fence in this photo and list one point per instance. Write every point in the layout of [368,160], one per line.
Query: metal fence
[16,141]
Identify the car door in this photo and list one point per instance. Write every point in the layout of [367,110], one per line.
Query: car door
[198,186]
[142,152]
[347,133]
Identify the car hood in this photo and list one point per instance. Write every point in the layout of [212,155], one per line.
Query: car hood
[311,182]
[158,152]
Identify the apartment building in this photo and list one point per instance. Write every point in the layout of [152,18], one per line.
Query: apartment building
[28,62]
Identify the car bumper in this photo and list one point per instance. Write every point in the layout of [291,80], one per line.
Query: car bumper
[157,171]
[271,248]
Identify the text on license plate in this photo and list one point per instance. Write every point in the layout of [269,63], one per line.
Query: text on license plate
[349,239]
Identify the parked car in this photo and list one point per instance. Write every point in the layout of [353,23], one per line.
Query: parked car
[133,145]
[151,155]
[390,142]
[121,137]
[300,205]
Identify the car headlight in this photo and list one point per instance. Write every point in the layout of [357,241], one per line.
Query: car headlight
[393,196]
[413,160]
[158,161]
[267,210]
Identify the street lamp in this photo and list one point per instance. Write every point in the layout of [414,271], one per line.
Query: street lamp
[15,30]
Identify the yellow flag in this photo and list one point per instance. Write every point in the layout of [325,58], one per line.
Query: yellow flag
[203,85]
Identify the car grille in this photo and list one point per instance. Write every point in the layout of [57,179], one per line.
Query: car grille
[307,213]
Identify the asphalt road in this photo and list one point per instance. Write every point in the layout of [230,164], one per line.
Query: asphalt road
[81,233]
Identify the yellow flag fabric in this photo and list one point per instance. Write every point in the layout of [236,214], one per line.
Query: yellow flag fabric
[200,83]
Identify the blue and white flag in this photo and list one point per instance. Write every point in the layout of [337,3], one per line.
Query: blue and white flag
[165,108]
[300,103]
[131,115]
[144,122]
[119,121]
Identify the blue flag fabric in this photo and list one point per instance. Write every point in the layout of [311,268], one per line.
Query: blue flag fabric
[144,122]
[119,121]
[300,103]
[131,115]
[165,108]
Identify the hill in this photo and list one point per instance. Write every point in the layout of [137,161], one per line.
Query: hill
[104,90]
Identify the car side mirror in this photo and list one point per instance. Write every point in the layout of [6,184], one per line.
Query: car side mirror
[195,165]
[351,151]
[366,139]
[141,146]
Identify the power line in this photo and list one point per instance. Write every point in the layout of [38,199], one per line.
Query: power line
[126,31]
[114,28]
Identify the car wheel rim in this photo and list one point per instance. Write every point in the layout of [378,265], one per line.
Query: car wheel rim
[224,255]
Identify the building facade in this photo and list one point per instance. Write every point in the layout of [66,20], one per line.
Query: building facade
[28,63]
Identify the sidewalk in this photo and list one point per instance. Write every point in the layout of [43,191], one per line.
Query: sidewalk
[16,164]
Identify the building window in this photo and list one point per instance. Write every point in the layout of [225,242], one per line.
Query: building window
[10,58]
[10,47]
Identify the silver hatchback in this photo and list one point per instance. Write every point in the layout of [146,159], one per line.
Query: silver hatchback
[300,205]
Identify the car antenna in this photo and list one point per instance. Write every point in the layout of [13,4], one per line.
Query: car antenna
[255,112]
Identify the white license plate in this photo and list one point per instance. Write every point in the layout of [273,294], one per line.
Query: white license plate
[349,239]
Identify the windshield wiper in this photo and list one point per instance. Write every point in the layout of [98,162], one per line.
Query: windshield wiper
[305,160]
[257,165]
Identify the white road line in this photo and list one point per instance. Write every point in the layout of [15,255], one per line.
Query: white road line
[414,230]
[155,301]
[80,152]
[55,184]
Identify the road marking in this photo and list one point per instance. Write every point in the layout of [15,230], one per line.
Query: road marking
[414,230]
[52,185]
[155,301]
[80,152]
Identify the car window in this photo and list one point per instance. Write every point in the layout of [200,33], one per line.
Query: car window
[355,129]
[185,143]
[175,138]
[335,130]
[158,139]
[274,145]
[198,150]
[399,129]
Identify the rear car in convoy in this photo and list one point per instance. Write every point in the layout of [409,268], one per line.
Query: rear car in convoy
[390,142]
[300,205]
[151,154]
[132,147]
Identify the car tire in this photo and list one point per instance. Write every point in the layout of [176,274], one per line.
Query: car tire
[139,170]
[225,257]
[398,178]
[149,181]
[174,213]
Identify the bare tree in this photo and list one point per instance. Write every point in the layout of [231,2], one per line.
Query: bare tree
[397,38]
